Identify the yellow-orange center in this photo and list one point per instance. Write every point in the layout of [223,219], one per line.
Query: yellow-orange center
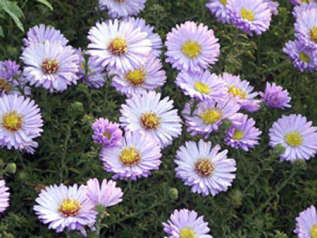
[313,34]
[118,46]
[247,14]
[202,88]
[204,167]
[191,49]
[238,135]
[69,207]
[12,121]
[313,231]
[5,86]
[136,77]
[237,92]
[150,121]
[107,134]
[224,2]
[130,157]
[211,116]
[187,233]
[293,139]
[304,57]
[50,66]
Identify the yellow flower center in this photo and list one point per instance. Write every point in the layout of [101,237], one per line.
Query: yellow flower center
[313,34]
[5,86]
[304,57]
[293,139]
[150,121]
[50,66]
[238,134]
[119,1]
[69,207]
[136,77]
[129,156]
[313,231]
[306,1]
[247,14]
[107,134]
[191,49]
[224,2]
[237,92]
[202,88]
[204,167]
[12,121]
[118,46]
[211,116]
[187,233]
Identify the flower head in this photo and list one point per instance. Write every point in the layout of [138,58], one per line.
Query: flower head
[106,133]
[201,85]
[219,9]
[155,117]
[20,123]
[191,47]
[51,65]
[4,196]
[118,45]
[306,223]
[137,156]
[186,224]
[296,135]
[251,16]
[306,27]
[204,168]
[65,208]
[122,8]
[245,135]
[275,97]
[105,194]
[146,77]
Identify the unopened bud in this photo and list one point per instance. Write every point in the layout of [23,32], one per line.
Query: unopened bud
[236,198]
[11,168]
[279,149]
[173,193]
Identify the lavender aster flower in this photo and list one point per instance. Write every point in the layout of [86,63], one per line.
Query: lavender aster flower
[118,45]
[153,37]
[122,8]
[204,168]
[242,92]
[209,115]
[106,133]
[306,223]
[297,135]
[201,85]
[304,58]
[65,208]
[186,224]
[275,97]
[219,9]
[20,123]
[244,136]
[191,47]
[300,2]
[105,194]
[251,16]
[153,116]
[306,27]
[300,9]
[4,196]
[51,65]
[137,156]
[42,33]
[144,78]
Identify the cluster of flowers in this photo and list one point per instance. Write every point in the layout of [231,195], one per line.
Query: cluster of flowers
[251,16]
[303,50]
[129,50]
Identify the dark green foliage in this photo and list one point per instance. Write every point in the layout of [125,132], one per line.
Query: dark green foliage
[267,194]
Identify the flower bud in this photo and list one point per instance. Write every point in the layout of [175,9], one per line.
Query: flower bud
[173,193]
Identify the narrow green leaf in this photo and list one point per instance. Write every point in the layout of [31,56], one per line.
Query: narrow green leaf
[46,3]
[14,11]
[1,32]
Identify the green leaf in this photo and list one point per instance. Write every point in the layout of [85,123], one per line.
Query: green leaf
[14,11]
[46,3]
[1,32]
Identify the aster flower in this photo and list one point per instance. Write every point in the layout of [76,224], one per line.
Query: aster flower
[4,196]
[118,45]
[191,47]
[209,115]
[137,156]
[122,8]
[306,27]
[65,208]
[301,2]
[50,65]
[275,97]
[90,72]
[106,133]
[304,58]
[42,33]
[300,9]
[105,194]
[204,168]
[243,136]
[273,6]
[251,16]
[20,123]
[186,224]
[219,9]
[152,36]
[201,85]
[153,116]
[242,92]
[296,135]
[306,223]
[146,77]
